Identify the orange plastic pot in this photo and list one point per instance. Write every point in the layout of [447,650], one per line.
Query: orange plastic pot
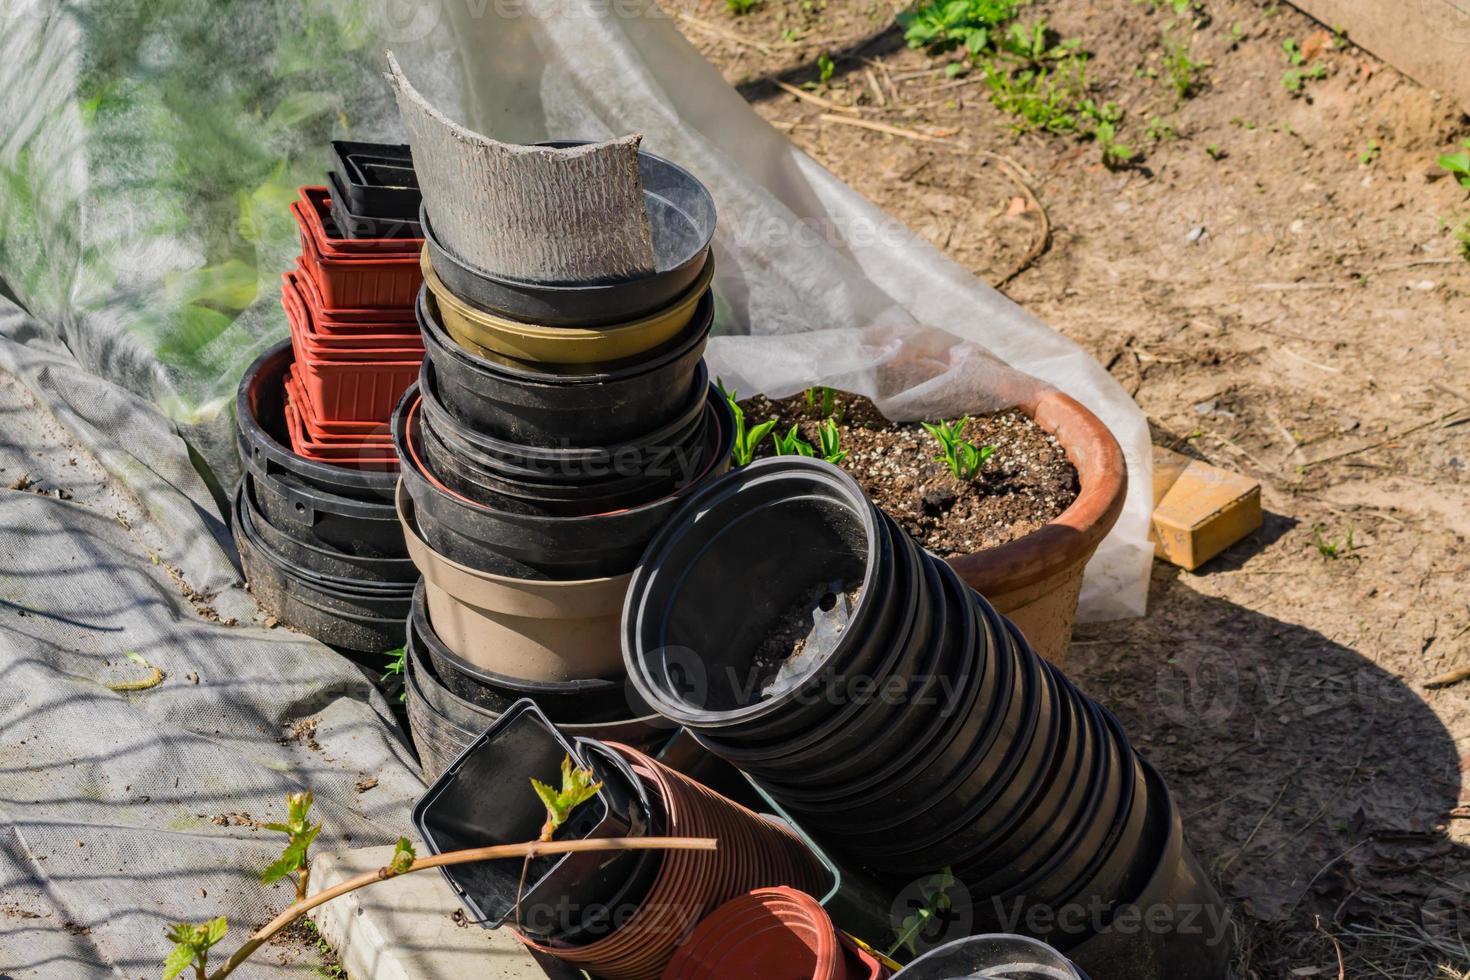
[769,932]
[328,321]
[365,341]
[358,387]
[319,223]
[322,430]
[358,281]
[1035,580]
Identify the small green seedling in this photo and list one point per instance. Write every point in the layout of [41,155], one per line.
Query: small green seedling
[1160,130]
[192,944]
[825,67]
[1333,550]
[934,891]
[792,444]
[393,671]
[822,402]
[1186,74]
[1105,120]
[1458,164]
[1216,152]
[1370,153]
[964,459]
[577,787]
[300,833]
[1297,76]
[746,441]
[741,7]
[829,442]
[1462,235]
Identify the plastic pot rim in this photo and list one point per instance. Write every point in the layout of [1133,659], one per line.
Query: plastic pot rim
[409,454]
[697,509]
[436,335]
[538,343]
[254,434]
[314,200]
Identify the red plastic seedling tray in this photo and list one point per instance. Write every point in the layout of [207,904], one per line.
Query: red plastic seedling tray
[322,430]
[362,281]
[362,341]
[326,320]
[316,207]
[355,456]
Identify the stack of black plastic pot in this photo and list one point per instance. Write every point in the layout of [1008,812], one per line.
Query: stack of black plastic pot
[321,544]
[903,722]
[554,429]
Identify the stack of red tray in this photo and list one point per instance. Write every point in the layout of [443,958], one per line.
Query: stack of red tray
[350,304]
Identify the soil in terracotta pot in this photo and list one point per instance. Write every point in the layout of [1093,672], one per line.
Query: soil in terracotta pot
[804,632]
[1025,483]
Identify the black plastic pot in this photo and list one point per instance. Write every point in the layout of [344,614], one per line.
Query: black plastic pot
[485,798]
[776,528]
[682,217]
[443,724]
[1190,935]
[597,408]
[377,180]
[998,956]
[349,224]
[319,558]
[533,546]
[588,701]
[363,616]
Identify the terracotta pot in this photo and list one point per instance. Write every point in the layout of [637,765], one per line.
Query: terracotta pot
[1034,580]
[768,932]
[527,628]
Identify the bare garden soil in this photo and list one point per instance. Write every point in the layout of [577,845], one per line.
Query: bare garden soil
[1275,282]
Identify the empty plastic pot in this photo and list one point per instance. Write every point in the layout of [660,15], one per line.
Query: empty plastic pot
[995,957]
[769,932]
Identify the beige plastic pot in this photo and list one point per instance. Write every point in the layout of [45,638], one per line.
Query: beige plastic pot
[533,630]
[1035,579]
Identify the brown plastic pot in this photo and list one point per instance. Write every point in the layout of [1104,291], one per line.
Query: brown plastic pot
[531,629]
[1035,579]
[769,932]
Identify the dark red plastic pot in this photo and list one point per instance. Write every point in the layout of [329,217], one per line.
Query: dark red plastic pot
[329,430]
[768,932]
[754,853]
[352,385]
[354,452]
[390,341]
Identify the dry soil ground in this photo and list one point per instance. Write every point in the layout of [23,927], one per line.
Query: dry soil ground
[1276,286]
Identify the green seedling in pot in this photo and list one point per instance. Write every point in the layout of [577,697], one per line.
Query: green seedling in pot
[792,444]
[822,402]
[964,459]
[829,442]
[746,441]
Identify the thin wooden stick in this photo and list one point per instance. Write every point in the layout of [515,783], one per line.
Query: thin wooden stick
[816,100]
[497,852]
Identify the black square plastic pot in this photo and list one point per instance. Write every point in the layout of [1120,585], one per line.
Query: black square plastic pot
[377,180]
[485,798]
